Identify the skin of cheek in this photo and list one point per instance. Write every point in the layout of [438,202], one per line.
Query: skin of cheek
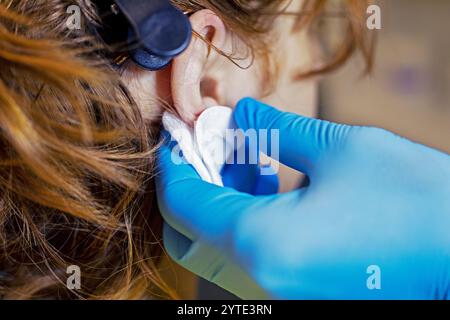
[149,90]
[240,83]
[294,96]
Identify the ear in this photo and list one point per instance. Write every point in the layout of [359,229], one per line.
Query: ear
[194,86]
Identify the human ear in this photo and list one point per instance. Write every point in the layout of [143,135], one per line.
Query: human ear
[194,84]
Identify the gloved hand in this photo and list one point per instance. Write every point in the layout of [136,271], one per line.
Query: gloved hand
[376,203]
[202,258]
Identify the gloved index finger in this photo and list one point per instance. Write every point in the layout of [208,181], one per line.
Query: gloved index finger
[301,140]
[192,206]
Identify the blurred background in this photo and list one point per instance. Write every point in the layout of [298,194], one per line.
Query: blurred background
[408,92]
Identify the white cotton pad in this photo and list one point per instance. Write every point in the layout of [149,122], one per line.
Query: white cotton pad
[185,137]
[207,146]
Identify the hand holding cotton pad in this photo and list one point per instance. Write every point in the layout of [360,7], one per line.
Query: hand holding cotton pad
[207,147]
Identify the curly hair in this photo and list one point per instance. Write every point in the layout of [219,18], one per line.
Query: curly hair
[77,156]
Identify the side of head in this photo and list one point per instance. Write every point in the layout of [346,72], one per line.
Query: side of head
[78,136]
[260,49]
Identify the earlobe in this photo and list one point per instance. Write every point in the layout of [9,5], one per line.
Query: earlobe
[193,84]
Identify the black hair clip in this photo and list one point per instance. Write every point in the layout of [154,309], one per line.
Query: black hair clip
[151,32]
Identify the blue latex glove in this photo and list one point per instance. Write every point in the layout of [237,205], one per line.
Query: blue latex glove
[375,201]
[202,258]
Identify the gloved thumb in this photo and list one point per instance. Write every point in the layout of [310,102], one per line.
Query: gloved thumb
[301,140]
